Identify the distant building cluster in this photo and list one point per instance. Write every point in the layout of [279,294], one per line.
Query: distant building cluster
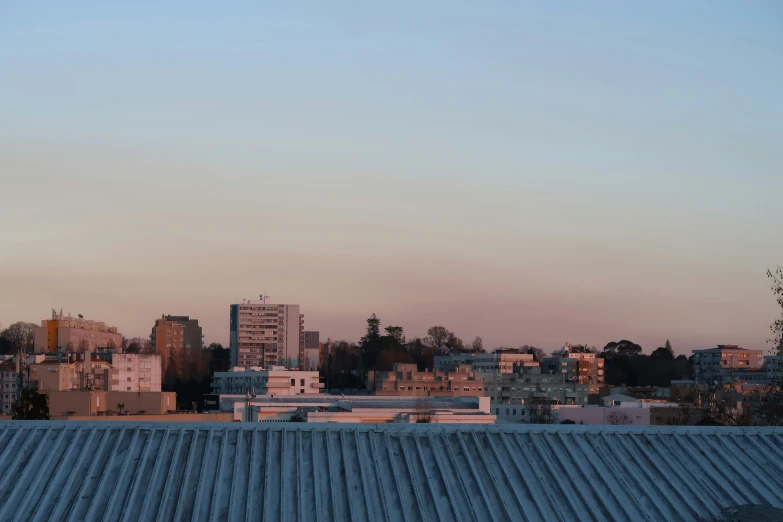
[87,369]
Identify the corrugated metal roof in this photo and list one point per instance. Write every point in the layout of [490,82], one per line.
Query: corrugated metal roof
[166,471]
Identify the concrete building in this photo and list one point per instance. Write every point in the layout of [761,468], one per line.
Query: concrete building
[275,380]
[630,413]
[178,341]
[9,385]
[725,364]
[361,409]
[74,334]
[88,403]
[82,403]
[498,362]
[264,334]
[533,386]
[136,373]
[407,380]
[311,354]
[48,376]
[578,364]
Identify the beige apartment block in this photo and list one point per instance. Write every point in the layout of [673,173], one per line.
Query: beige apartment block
[74,334]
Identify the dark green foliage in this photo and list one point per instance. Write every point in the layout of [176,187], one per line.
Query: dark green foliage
[344,367]
[777,289]
[646,370]
[31,406]
[622,348]
[220,360]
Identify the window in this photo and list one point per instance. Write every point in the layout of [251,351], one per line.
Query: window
[293,382]
[301,382]
[129,388]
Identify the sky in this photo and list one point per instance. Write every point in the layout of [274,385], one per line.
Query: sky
[528,172]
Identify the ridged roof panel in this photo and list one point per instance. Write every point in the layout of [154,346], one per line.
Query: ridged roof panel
[112,471]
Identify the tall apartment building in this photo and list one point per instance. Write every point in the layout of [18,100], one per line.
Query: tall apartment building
[274,380]
[136,373]
[406,380]
[498,362]
[578,364]
[726,363]
[74,334]
[177,339]
[265,334]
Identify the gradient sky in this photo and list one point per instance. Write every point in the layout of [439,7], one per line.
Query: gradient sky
[525,171]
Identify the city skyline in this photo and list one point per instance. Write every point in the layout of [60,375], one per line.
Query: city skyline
[533,174]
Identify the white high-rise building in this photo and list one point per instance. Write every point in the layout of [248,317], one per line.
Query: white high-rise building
[265,334]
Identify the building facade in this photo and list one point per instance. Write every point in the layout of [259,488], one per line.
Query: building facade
[726,363]
[74,334]
[498,362]
[361,409]
[578,365]
[178,341]
[531,387]
[405,380]
[263,334]
[136,373]
[311,354]
[9,385]
[275,380]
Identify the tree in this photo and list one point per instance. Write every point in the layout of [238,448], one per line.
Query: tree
[390,356]
[662,354]
[537,353]
[20,336]
[132,348]
[344,367]
[422,412]
[540,411]
[219,358]
[370,344]
[397,333]
[373,331]
[422,353]
[437,337]
[477,345]
[454,343]
[31,406]
[84,345]
[777,290]
[622,348]
[618,418]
